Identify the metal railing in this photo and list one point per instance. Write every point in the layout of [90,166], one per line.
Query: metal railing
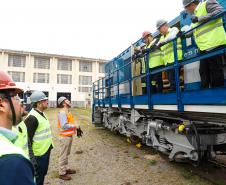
[101,90]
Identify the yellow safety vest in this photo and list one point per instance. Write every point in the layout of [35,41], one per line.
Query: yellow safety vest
[42,139]
[168,51]
[143,71]
[143,65]
[22,140]
[7,147]
[211,34]
[155,57]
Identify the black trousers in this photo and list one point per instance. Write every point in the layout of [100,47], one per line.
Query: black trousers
[144,89]
[159,84]
[171,78]
[211,71]
[158,79]
[43,164]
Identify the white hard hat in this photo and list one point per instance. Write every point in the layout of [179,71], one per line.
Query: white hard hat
[37,96]
[61,99]
[160,23]
[187,2]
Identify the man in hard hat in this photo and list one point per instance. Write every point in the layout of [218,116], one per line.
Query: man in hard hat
[15,167]
[39,134]
[167,48]
[155,61]
[208,37]
[67,127]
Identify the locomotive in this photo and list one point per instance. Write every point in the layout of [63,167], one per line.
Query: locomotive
[187,124]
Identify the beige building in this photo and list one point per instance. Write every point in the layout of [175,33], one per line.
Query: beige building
[56,75]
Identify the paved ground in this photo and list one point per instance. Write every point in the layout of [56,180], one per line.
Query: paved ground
[107,159]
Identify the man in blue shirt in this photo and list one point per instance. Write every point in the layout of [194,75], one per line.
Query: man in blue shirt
[15,168]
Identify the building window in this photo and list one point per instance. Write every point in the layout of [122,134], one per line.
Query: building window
[17,76]
[64,64]
[101,67]
[85,80]
[41,78]
[64,79]
[85,66]
[41,63]
[16,60]
[85,89]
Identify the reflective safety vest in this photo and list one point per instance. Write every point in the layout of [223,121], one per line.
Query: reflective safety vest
[22,140]
[211,34]
[168,51]
[153,83]
[155,57]
[143,69]
[142,64]
[42,139]
[143,84]
[68,132]
[7,147]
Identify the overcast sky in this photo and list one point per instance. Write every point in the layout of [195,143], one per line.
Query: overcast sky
[88,28]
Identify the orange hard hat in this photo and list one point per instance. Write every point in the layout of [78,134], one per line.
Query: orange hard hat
[146,33]
[6,83]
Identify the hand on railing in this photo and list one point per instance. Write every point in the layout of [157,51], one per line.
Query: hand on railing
[144,51]
[160,44]
[194,19]
[180,34]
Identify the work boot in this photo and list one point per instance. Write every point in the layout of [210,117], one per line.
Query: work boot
[65,177]
[70,171]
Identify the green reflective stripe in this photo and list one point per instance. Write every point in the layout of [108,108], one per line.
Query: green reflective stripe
[42,131]
[143,66]
[208,29]
[39,138]
[170,51]
[159,54]
[153,83]
[143,84]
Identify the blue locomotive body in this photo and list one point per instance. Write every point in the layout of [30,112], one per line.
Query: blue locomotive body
[156,118]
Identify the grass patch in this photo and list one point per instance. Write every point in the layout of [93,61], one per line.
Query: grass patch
[84,112]
[135,156]
[152,162]
[188,175]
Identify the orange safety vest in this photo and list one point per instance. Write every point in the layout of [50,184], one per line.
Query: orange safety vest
[68,132]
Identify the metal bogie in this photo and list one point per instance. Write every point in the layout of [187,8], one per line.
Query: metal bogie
[165,135]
